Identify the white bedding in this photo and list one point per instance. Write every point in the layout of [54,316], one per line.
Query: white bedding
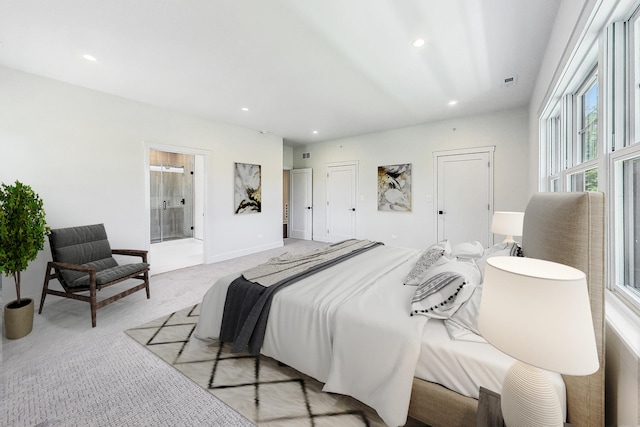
[319,328]
[465,366]
[366,347]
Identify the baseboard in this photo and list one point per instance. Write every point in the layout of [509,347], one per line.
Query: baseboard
[242,252]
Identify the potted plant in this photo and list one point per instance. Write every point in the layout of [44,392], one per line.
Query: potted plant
[22,232]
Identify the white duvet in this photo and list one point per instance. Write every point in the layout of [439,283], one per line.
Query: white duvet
[348,326]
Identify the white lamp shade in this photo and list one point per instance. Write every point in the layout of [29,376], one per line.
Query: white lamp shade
[539,313]
[507,223]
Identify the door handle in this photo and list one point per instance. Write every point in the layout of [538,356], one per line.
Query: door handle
[308,207]
[353,209]
[440,212]
[164,205]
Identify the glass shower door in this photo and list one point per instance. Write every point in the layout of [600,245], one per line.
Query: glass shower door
[171,181]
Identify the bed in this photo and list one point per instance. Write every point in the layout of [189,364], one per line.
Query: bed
[561,227]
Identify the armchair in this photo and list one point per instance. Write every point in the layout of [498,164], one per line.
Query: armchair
[83,261]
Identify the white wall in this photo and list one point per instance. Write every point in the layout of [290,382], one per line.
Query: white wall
[83,152]
[506,130]
[287,157]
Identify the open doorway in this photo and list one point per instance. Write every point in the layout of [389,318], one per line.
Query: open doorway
[176,193]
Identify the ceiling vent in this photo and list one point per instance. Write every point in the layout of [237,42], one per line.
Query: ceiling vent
[509,81]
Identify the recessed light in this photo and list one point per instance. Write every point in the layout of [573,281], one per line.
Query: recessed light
[264,132]
[245,109]
[418,43]
[90,58]
[315,132]
[453,102]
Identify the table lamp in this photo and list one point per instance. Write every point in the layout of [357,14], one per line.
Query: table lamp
[537,312]
[508,224]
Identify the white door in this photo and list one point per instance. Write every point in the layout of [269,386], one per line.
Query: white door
[465,196]
[301,204]
[341,201]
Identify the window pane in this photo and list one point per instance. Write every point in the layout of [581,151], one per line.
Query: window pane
[591,180]
[631,224]
[589,123]
[555,185]
[554,145]
[583,181]
[576,182]
[636,83]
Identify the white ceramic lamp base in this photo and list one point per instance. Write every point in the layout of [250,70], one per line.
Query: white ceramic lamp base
[529,399]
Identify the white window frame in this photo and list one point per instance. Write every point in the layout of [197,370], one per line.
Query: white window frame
[583,167]
[631,35]
[616,240]
[563,124]
[613,44]
[577,157]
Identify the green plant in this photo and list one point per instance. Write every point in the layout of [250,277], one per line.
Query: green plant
[22,229]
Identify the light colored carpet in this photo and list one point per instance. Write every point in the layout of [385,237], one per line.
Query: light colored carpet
[66,373]
[268,393]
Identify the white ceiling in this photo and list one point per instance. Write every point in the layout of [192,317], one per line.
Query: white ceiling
[340,67]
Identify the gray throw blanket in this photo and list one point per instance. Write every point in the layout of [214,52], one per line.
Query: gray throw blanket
[288,265]
[246,308]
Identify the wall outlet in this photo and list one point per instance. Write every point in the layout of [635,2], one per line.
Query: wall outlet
[260,236]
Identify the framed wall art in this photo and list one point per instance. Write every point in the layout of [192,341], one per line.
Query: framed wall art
[247,188]
[394,188]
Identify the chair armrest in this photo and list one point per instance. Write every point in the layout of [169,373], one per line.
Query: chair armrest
[131,252]
[74,267]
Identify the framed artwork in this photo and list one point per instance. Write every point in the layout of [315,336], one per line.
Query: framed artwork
[247,188]
[394,188]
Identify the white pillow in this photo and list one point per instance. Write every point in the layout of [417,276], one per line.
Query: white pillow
[467,316]
[501,249]
[445,289]
[431,256]
[468,250]
[466,268]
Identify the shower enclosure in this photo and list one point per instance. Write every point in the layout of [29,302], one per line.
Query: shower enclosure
[172,193]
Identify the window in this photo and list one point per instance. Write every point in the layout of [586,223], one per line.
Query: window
[633,53]
[588,121]
[626,221]
[583,181]
[630,216]
[554,156]
[590,140]
[572,139]
[554,145]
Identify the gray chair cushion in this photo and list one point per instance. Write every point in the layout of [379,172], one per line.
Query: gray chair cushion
[88,245]
[111,274]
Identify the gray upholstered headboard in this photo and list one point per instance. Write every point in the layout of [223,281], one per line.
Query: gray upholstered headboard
[569,228]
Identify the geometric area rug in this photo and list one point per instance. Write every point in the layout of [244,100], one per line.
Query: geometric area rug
[263,390]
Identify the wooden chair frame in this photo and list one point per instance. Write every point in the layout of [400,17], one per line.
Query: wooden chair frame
[72,292]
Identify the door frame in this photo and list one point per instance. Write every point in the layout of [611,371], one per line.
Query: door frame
[458,152]
[150,145]
[327,166]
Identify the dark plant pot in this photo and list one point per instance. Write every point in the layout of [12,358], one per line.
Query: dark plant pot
[18,318]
